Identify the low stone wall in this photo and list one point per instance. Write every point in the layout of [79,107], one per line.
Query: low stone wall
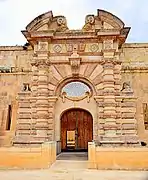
[117,158]
[28,158]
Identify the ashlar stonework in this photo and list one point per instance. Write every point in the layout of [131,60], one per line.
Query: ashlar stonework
[33,76]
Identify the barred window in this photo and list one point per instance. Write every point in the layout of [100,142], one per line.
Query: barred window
[145,114]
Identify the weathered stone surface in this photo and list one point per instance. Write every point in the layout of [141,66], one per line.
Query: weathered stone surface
[58,56]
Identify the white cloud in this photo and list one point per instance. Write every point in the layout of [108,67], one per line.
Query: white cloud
[16,14]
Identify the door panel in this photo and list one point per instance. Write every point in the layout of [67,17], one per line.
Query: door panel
[81,122]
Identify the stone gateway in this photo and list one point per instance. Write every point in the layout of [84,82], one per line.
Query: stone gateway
[74,86]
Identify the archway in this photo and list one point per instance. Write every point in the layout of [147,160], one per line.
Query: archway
[76,130]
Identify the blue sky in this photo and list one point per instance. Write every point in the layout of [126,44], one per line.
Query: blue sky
[16,14]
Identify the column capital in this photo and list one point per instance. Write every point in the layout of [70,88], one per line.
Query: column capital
[41,63]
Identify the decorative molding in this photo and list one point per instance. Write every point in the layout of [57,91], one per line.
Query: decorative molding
[94,47]
[69,47]
[86,95]
[62,24]
[75,61]
[108,44]
[43,46]
[57,48]
[40,62]
[75,65]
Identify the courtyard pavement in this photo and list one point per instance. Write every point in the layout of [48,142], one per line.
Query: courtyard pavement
[68,168]
[72,175]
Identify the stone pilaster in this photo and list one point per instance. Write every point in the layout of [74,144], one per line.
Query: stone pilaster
[51,123]
[110,127]
[42,106]
[100,120]
[24,124]
[129,123]
[34,97]
[109,104]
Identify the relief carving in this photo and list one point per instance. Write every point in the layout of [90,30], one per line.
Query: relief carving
[94,47]
[57,48]
[75,61]
[86,95]
[108,44]
[62,24]
[43,46]
[26,87]
[69,47]
[75,66]
[82,47]
[40,63]
[89,23]
[126,89]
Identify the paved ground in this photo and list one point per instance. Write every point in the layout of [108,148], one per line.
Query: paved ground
[68,168]
[72,175]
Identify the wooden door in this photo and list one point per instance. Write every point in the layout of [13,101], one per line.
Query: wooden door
[81,122]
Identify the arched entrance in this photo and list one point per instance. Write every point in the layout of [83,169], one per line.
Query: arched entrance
[76,130]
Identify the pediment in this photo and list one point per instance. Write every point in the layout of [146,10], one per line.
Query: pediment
[103,24]
[46,22]
[103,20]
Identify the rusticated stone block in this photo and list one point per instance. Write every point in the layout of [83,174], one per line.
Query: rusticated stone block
[24,116]
[128,104]
[110,126]
[24,126]
[129,132]
[129,126]
[24,105]
[127,115]
[23,132]
[101,132]
[42,115]
[130,139]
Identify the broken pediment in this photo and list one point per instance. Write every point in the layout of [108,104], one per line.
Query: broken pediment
[103,20]
[104,24]
[46,22]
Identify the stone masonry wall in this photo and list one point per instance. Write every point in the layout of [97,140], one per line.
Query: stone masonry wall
[134,69]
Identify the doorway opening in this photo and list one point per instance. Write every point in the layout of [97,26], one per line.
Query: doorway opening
[76,130]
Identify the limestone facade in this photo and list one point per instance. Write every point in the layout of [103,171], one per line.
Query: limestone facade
[33,75]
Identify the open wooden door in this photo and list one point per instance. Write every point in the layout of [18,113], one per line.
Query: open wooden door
[78,123]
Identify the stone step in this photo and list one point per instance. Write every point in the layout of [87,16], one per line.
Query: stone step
[63,165]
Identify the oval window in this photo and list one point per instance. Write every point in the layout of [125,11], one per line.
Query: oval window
[75,89]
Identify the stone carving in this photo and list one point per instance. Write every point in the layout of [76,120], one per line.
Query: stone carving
[69,47]
[40,63]
[94,48]
[57,48]
[61,22]
[26,87]
[86,95]
[43,46]
[82,47]
[89,22]
[90,19]
[108,44]
[75,61]
[126,87]
[75,66]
